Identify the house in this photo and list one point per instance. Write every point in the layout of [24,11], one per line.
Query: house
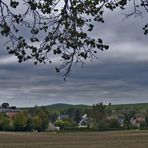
[85,122]
[137,120]
[11,114]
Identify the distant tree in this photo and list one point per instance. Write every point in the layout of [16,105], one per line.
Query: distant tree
[13,107]
[5,105]
[98,115]
[109,109]
[60,123]
[128,114]
[44,120]
[77,116]
[5,122]
[29,126]
[64,124]
[20,121]
[33,110]
[36,123]
[40,121]
[113,123]
[70,111]
[62,31]
[53,117]
[146,118]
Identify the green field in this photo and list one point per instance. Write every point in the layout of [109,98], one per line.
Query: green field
[118,139]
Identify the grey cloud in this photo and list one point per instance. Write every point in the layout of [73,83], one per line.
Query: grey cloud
[118,76]
[114,82]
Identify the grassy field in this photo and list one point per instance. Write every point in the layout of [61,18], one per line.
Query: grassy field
[118,139]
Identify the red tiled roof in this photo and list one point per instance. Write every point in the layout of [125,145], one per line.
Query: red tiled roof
[11,114]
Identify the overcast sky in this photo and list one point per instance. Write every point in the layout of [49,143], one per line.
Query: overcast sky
[120,75]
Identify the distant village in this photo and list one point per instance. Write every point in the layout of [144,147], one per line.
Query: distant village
[10,111]
[100,117]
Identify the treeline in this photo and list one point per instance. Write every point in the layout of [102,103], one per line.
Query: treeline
[23,121]
[106,118]
[39,119]
[99,117]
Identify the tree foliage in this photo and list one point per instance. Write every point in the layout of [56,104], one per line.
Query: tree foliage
[5,122]
[44,121]
[98,115]
[55,28]
[36,123]
[20,121]
[63,124]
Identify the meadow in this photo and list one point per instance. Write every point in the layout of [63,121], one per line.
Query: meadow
[116,139]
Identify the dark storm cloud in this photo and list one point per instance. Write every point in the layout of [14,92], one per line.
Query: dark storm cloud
[109,82]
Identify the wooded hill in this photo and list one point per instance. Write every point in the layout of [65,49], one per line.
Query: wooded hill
[59,107]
